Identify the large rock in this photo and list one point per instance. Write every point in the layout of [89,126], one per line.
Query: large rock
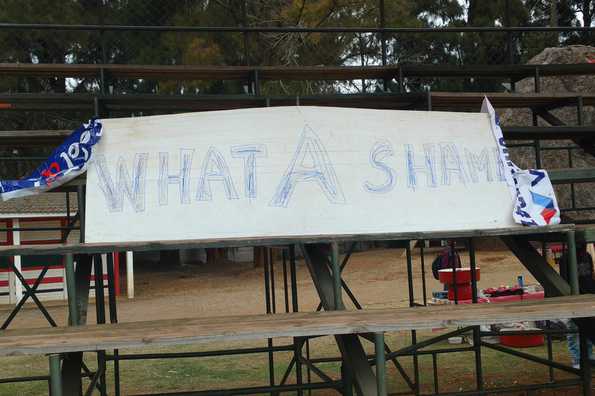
[552,159]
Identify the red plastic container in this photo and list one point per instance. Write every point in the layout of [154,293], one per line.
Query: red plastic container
[464,291]
[463,275]
[521,341]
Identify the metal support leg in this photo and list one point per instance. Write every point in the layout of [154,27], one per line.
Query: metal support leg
[267,296]
[476,329]
[73,362]
[380,364]
[347,381]
[352,351]
[336,274]
[71,288]
[113,315]
[295,308]
[29,292]
[100,314]
[415,358]
[423,272]
[572,264]
[55,376]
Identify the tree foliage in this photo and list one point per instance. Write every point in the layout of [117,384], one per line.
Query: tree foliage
[289,49]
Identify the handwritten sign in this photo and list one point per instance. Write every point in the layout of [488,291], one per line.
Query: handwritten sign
[290,171]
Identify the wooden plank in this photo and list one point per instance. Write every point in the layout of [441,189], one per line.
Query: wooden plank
[472,101]
[89,248]
[572,175]
[33,137]
[516,72]
[548,133]
[219,72]
[458,101]
[255,327]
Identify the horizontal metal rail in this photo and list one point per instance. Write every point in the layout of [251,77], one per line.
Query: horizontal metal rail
[182,355]
[291,29]
[217,72]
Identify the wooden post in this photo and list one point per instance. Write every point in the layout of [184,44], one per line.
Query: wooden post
[16,240]
[130,274]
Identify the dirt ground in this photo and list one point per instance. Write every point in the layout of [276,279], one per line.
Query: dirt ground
[378,278]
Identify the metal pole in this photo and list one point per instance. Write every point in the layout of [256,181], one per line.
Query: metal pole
[550,356]
[380,364]
[294,307]
[435,371]
[245,34]
[67,214]
[113,316]
[347,381]
[411,304]
[572,264]
[272,275]
[293,279]
[285,285]
[73,319]
[536,143]
[383,40]
[410,274]
[336,275]
[100,315]
[579,119]
[509,37]
[55,376]
[267,297]
[476,329]
[473,270]
[80,199]
[423,272]
[453,265]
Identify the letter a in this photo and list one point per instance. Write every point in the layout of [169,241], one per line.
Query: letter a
[310,163]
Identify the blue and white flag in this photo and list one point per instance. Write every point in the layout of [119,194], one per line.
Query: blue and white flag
[66,162]
[535,199]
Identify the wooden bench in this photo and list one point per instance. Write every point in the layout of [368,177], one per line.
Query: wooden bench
[57,340]
[302,324]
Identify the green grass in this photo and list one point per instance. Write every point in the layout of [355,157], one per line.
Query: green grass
[147,376]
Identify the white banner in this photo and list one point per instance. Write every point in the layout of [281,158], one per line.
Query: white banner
[290,171]
[532,190]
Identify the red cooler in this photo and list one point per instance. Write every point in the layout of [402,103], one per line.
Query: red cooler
[463,282]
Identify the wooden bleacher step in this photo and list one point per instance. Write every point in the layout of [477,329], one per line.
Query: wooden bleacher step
[257,327]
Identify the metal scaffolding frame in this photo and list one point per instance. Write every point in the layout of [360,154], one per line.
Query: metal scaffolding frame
[323,260]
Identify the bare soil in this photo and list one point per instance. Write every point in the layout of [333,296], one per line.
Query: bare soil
[378,278]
